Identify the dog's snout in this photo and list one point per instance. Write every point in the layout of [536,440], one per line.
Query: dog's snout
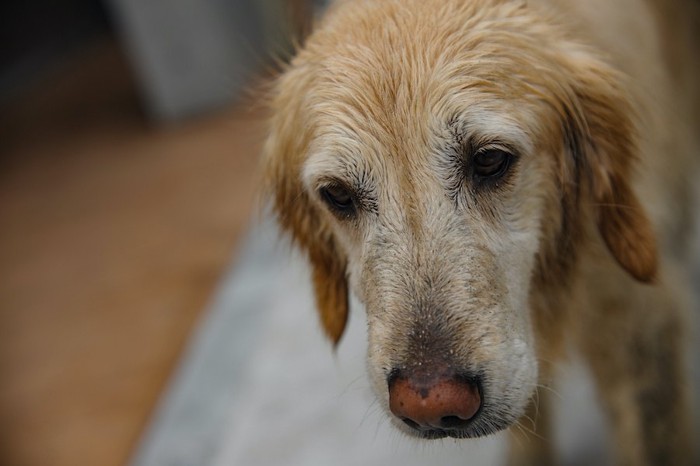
[437,403]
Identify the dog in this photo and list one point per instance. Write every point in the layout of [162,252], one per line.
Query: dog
[499,181]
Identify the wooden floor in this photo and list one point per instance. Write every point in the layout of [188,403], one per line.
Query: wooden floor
[113,233]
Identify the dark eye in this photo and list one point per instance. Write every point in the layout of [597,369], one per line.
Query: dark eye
[339,198]
[491,163]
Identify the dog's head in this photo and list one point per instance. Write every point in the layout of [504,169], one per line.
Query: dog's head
[441,159]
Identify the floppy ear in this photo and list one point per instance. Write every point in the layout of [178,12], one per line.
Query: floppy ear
[284,153]
[605,150]
[331,289]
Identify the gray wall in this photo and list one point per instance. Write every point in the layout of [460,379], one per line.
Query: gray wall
[192,56]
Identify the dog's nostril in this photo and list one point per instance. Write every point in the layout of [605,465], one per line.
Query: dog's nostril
[411,423]
[453,422]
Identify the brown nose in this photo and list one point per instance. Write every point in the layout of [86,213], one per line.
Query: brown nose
[445,402]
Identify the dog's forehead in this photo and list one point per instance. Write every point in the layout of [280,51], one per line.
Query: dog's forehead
[394,121]
[382,75]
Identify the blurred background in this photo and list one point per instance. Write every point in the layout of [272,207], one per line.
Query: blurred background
[148,315]
[129,139]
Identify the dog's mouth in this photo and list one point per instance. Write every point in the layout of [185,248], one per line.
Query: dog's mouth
[481,425]
[477,427]
[432,433]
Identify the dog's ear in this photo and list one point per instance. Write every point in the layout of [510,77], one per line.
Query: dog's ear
[330,287]
[284,153]
[603,136]
[301,218]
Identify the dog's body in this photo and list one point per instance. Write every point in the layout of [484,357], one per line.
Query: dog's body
[497,180]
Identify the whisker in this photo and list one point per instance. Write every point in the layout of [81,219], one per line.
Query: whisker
[550,390]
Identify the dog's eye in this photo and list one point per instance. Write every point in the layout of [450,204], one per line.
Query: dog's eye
[339,198]
[491,163]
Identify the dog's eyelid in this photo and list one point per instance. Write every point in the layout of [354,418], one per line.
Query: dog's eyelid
[473,144]
[494,145]
[339,196]
[335,184]
[490,162]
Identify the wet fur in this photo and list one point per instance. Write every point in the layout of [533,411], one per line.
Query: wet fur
[583,243]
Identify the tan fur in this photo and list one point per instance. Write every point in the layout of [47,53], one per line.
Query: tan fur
[583,242]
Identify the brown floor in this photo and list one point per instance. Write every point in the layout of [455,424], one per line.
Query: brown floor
[113,233]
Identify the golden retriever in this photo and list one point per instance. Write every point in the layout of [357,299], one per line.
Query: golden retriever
[498,181]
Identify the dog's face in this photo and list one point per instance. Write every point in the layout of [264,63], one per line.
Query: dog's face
[437,159]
